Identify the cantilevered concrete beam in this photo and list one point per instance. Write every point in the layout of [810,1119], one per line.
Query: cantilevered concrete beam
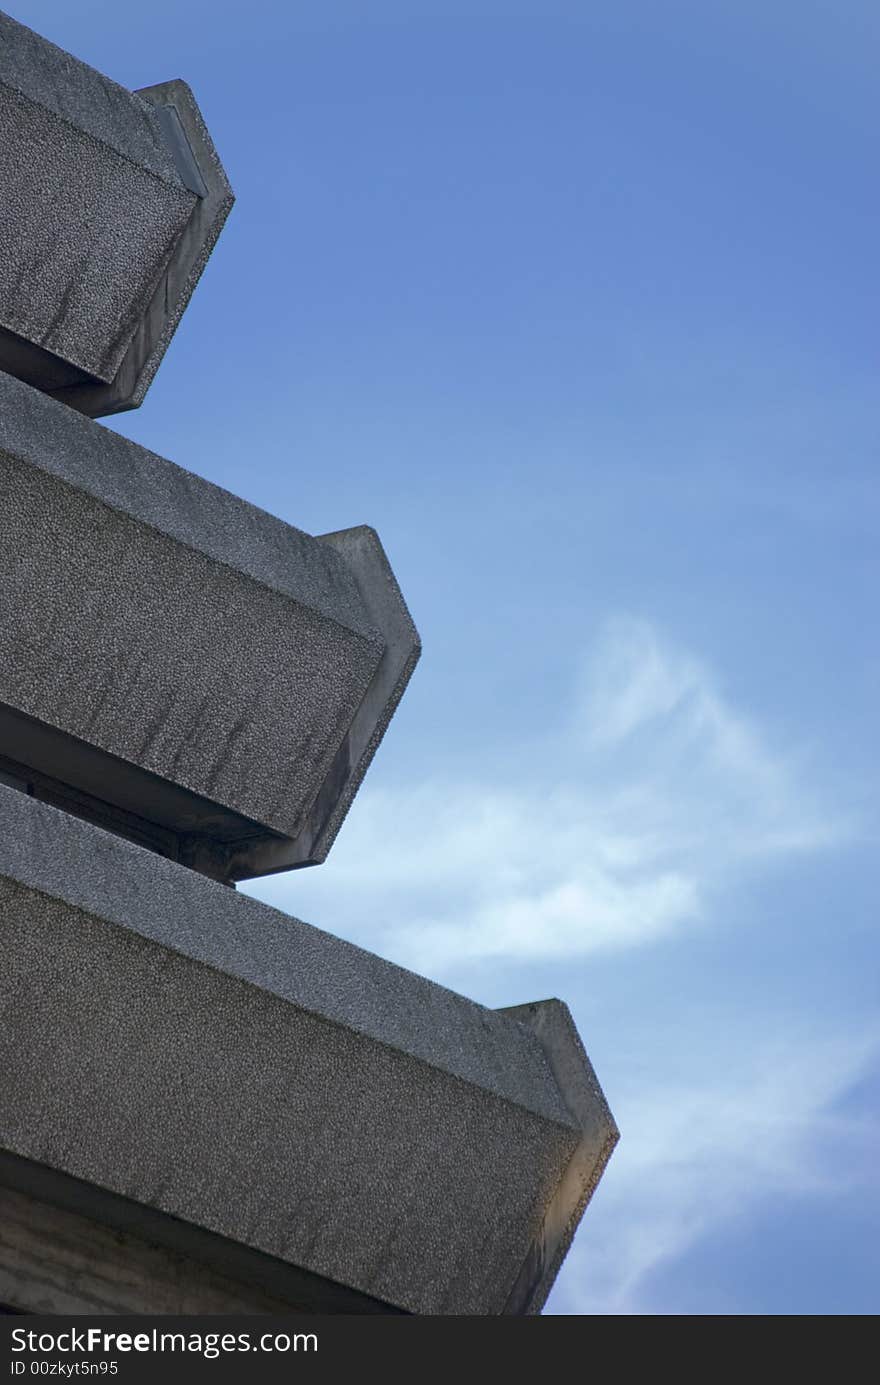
[112,203]
[181,1046]
[176,663]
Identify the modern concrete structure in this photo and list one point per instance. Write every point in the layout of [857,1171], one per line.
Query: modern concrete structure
[205,1105]
[112,203]
[178,662]
[186,1048]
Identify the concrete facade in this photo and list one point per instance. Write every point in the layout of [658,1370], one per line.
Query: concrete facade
[187,1048]
[113,201]
[181,656]
[206,1105]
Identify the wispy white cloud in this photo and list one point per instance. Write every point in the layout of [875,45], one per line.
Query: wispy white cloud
[700,1154]
[621,829]
[627,819]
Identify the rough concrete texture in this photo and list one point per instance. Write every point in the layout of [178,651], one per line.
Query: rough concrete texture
[193,1050]
[112,203]
[179,637]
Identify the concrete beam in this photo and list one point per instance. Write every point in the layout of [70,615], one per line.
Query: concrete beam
[173,655]
[196,1052]
[113,201]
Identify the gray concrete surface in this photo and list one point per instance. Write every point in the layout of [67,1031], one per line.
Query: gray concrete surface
[194,1051]
[112,203]
[182,655]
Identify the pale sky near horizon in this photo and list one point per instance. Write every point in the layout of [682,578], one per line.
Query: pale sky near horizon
[577,304]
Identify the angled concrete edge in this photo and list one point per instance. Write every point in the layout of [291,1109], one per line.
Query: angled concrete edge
[362,551]
[196,1052]
[217,672]
[197,159]
[551,1022]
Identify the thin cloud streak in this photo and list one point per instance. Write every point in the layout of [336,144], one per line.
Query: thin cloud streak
[616,834]
[703,1153]
[654,792]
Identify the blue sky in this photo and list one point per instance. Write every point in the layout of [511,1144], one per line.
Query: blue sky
[577,304]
